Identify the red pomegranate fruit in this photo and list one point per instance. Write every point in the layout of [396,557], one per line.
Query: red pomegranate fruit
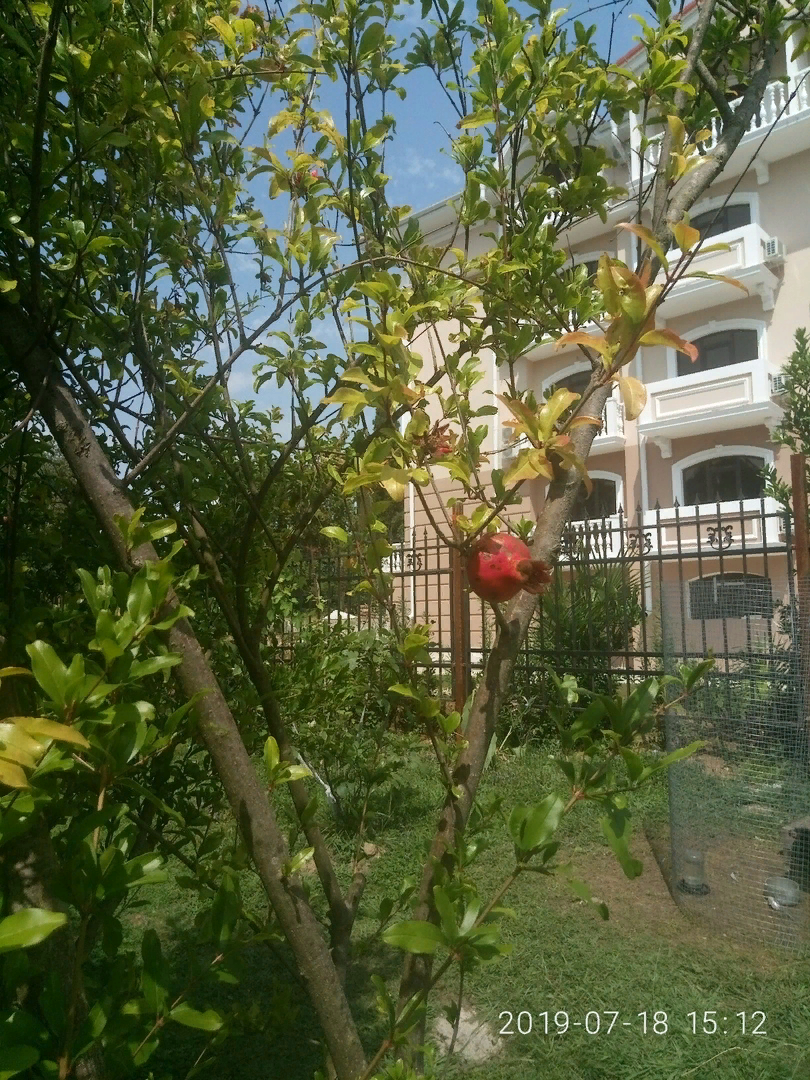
[501,565]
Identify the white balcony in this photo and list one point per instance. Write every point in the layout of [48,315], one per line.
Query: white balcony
[707,531]
[710,529]
[723,399]
[750,259]
[611,434]
[779,107]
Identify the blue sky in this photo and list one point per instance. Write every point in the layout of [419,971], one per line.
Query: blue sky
[421,170]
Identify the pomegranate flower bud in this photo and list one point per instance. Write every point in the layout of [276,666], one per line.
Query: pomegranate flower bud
[501,565]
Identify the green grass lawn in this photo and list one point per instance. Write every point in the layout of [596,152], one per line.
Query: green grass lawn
[647,958]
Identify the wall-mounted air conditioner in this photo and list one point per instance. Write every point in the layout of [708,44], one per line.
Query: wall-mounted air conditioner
[778,384]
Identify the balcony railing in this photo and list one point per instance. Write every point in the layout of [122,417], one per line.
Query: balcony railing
[708,531]
[611,437]
[781,103]
[721,399]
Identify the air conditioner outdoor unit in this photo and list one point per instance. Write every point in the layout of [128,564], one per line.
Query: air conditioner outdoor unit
[778,384]
[773,248]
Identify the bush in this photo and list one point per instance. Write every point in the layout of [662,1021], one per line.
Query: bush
[346,725]
[580,625]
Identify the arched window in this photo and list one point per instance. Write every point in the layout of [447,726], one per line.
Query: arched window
[602,502]
[723,479]
[723,219]
[723,348]
[575,381]
[730,596]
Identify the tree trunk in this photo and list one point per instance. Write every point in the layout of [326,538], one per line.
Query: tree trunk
[36,366]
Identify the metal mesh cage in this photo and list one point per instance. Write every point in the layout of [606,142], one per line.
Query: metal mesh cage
[740,807]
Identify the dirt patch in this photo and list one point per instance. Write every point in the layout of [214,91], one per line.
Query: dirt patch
[474,1042]
[736,907]
[735,913]
[717,766]
[643,904]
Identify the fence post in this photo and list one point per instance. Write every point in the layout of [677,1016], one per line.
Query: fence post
[459,630]
[801,543]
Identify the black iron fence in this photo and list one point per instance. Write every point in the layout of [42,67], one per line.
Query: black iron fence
[632,596]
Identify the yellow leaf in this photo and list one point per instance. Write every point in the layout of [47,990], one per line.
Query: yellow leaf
[12,775]
[649,239]
[685,236]
[634,396]
[19,746]
[395,488]
[673,340]
[579,337]
[529,464]
[38,726]
[677,131]
[719,277]
[632,295]
[584,421]
[607,286]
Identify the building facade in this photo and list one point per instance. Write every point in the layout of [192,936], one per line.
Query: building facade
[688,470]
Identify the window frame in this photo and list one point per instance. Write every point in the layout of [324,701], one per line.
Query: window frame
[717,326]
[724,207]
[618,481]
[679,467]
[728,578]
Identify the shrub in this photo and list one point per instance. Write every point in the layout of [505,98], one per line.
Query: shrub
[346,725]
[580,625]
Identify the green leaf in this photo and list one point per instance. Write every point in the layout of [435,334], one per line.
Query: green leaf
[616,828]
[500,19]
[293,865]
[449,721]
[295,772]
[403,691]
[154,973]
[193,1018]
[225,31]
[49,671]
[335,532]
[414,936]
[372,39]
[16,1059]
[679,755]
[140,601]
[7,285]
[271,755]
[29,927]
[156,530]
[447,913]
[537,824]
[153,664]
[583,891]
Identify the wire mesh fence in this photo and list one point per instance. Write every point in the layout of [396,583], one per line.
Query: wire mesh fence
[634,597]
